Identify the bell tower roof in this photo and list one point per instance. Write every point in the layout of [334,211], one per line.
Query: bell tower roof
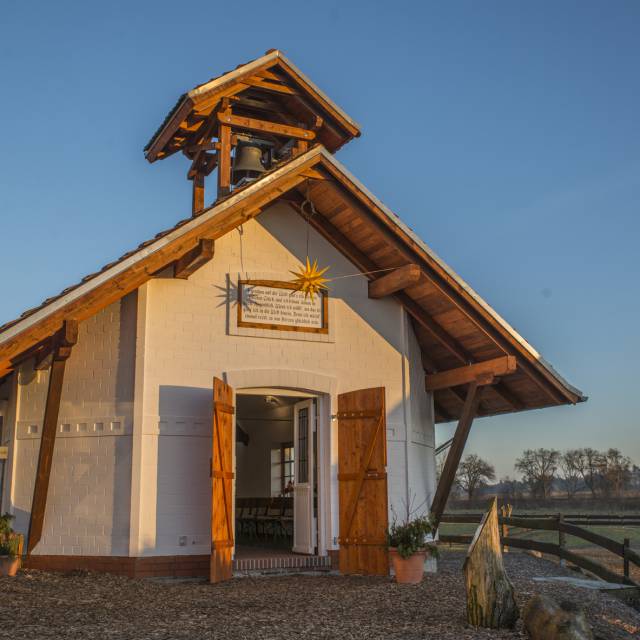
[269,96]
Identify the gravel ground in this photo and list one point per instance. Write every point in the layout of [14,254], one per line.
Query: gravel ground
[38,604]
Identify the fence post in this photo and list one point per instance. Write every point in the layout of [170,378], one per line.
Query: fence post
[503,528]
[562,540]
[626,560]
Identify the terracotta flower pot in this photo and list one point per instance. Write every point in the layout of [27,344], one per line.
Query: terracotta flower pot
[408,570]
[9,566]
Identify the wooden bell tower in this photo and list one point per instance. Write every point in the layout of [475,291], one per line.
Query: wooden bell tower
[267,104]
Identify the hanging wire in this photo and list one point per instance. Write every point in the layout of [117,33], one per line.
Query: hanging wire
[308,214]
[308,209]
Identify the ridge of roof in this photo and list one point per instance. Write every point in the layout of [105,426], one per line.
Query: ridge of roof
[240,70]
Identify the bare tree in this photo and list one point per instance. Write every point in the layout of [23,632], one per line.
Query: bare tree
[615,472]
[511,488]
[570,466]
[473,472]
[589,466]
[538,467]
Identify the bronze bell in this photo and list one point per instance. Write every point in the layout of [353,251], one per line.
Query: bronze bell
[247,162]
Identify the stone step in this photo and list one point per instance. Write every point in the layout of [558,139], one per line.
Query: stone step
[282,564]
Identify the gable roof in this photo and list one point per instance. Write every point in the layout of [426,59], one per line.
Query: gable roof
[337,127]
[453,324]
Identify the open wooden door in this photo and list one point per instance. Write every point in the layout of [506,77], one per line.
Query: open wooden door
[221,567]
[362,481]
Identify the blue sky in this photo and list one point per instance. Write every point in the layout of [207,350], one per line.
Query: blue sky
[506,134]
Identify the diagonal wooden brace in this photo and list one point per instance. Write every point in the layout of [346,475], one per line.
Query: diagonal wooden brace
[469,411]
[63,342]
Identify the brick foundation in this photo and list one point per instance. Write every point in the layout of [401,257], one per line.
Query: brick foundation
[157,566]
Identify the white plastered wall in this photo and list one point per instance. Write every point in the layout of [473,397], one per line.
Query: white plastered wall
[87,510]
[189,337]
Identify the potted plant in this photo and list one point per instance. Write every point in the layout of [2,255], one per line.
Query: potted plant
[10,547]
[409,547]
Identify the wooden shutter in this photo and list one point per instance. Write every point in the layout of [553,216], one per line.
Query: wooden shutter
[362,479]
[222,483]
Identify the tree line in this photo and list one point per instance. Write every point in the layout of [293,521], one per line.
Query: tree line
[602,473]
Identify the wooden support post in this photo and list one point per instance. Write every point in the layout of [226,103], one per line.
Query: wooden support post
[224,151]
[63,341]
[469,410]
[197,201]
[562,538]
[505,510]
[625,566]
[300,147]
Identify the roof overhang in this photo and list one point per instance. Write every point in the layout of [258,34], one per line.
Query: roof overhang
[454,325]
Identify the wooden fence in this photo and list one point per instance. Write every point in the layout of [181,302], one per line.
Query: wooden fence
[564,525]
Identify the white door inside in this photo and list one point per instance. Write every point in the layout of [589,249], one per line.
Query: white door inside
[304,525]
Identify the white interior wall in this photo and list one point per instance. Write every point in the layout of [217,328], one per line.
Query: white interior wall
[253,461]
[190,338]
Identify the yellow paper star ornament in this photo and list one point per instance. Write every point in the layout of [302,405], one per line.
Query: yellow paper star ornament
[309,279]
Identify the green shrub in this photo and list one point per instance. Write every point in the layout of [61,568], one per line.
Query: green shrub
[5,525]
[10,546]
[410,536]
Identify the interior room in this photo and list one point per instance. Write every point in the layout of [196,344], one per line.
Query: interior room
[266,447]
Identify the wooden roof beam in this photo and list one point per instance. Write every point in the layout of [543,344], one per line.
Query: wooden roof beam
[194,259]
[488,369]
[428,323]
[508,396]
[395,281]
[265,126]
[337,239]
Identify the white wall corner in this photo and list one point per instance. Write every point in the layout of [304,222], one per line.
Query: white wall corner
[9,433]
[135,528]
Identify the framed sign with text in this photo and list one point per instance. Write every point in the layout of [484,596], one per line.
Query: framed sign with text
[275,305]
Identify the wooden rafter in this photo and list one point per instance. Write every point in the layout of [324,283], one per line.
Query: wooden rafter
[496,367]
[191,261]
[63,342]
[335,237]
[411,252]
[341,242]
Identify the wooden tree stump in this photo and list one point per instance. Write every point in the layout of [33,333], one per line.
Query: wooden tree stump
[490,601]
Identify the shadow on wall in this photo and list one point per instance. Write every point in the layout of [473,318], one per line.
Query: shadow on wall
[183,486]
